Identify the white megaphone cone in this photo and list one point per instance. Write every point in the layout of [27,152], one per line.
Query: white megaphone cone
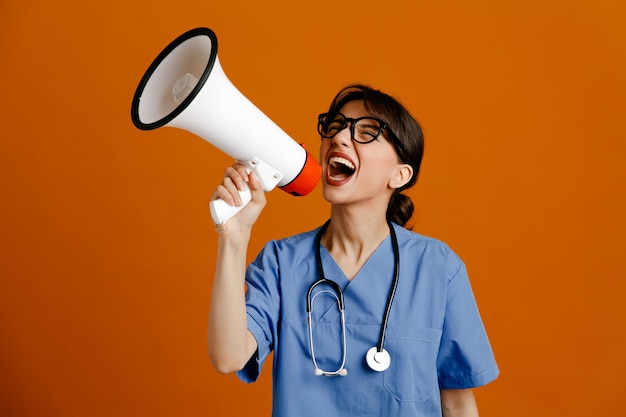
[185,87]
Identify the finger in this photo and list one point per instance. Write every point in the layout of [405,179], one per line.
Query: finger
[228,192]
[233,189]
[222,193]
[238,175]
[242,170]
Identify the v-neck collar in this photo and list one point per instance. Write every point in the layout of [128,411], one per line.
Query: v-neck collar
[374,277]
[333,271]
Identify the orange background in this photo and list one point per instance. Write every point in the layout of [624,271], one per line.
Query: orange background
[107,248]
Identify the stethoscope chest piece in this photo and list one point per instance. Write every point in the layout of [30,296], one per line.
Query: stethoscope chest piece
[378,361]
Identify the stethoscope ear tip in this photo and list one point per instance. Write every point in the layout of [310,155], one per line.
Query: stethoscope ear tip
[343,372]
[318,372]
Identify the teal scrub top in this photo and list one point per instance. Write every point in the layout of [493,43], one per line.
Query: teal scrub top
[435,336]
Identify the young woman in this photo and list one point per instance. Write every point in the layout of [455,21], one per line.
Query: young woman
[365,318]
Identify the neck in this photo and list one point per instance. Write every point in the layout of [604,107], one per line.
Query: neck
[353,237]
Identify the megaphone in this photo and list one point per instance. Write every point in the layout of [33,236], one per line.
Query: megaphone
[185,87]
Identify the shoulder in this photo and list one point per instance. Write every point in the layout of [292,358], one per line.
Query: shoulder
[294,241]
[415,240]
[429,251]
[300,245]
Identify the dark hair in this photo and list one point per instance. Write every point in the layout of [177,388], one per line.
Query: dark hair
[403,132]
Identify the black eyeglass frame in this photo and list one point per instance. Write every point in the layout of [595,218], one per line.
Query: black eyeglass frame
[353,122]
[383,126]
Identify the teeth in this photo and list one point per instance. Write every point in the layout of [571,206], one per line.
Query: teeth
[343,161]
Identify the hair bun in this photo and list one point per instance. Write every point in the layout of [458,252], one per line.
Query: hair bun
[400,208]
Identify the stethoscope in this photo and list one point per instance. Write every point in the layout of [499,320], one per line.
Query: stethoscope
[377,358]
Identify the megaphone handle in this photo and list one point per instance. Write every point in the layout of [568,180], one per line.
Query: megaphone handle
[221,211]
[267,175]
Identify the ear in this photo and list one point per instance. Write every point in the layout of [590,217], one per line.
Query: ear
[403,175]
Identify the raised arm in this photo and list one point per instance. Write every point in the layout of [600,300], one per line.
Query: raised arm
[231,345]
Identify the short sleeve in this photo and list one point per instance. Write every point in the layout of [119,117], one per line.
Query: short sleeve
[262,307]
[465,358]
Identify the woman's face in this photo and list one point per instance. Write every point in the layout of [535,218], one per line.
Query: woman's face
[359,173]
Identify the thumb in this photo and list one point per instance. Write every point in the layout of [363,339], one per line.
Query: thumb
[256,187]
[257,193]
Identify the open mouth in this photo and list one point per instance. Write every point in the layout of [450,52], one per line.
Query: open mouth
[340,168]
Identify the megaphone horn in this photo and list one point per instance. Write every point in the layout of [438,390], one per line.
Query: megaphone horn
[185,87]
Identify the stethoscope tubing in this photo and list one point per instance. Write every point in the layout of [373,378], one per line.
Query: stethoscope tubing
[341,370]
[340,303]
[392,292]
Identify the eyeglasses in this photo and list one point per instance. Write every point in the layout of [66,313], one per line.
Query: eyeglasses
[362,129]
